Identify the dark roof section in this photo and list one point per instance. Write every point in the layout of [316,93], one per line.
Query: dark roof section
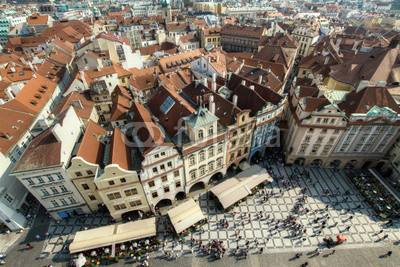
[367,98]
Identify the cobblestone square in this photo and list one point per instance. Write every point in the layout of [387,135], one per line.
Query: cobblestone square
[363,226]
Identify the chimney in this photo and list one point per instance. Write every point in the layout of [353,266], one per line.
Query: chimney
[260,79]
[362,85]
[98,68]
[9,94]
[355,45]
[234,100]
[205,81]
[252,87]
[212,108]
[244,82]
[209,59]
[234,58]
[326,60]
[214,82]
[217,58]
[223,74]
[381,84]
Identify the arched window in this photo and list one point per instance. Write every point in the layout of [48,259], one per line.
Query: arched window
[201,135]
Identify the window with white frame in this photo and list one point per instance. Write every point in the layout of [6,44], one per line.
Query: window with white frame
[201,156]
[44,192]
[193,175]
[55,204]
[219,162]
[192,161]
[8,198]
[72,200]
[202,170]
[211,152]
[220,148]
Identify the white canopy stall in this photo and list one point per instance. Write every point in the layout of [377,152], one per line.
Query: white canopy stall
[185,215]
[112,234]
[236,188]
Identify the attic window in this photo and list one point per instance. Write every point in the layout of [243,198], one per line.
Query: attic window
[167,105]
[19,121]
[44,87]
[38,96]
[33,103]
[15,127]
[352,102]
[21,73]
[5,136]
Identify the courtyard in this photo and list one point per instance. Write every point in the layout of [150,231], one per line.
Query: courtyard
[347,212]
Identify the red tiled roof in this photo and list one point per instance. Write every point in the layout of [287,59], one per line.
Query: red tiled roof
[148,132]
[244,31]
[36,19]
[119,109]
[91,149]
[366,99]
[43,151]
[120,152]
[170,120]
[83,105]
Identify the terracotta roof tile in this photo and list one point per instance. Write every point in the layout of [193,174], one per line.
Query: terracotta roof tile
[16,74]
[33,96]
[42,152]
[179,109]
[374,67]
[148,132]
[188,38]
[282,39]
[225,110]
[171,63]
[120,152]
[244,31]
[119,109]
[36,19]
[13,123]
[83,105]
[91,149]
[367,98]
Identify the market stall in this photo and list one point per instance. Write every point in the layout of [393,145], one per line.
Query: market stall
[112,234]
[237,188]
[185,215]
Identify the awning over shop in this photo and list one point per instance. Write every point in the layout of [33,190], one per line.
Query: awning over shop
[244,165]
[239,187]
[185,215]
[112,234]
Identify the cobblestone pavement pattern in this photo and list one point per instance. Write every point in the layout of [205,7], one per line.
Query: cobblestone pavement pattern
[364,226]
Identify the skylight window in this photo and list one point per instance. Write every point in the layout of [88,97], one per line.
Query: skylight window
[167,105]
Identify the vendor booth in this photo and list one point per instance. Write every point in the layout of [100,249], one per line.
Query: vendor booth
[112,234]
[185,215]
[235,189]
